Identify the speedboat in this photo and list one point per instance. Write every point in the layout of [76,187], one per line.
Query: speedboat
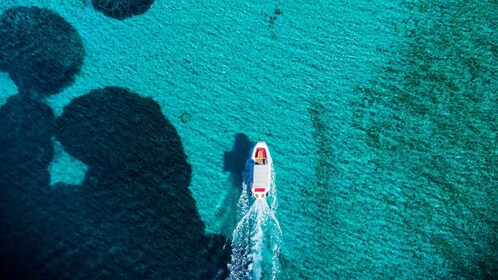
[261,170]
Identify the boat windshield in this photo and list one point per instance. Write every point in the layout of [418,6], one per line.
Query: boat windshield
[260,156]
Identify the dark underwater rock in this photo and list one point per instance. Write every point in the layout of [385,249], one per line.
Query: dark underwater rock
[39,49]
[122,9]
[185,117]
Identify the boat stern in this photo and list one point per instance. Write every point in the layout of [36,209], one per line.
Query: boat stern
[260,193]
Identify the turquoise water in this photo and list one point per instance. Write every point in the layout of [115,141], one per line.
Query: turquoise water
[380,116]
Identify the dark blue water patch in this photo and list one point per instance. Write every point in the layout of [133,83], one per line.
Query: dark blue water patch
[134,215]
[115,129]
[218,257]
[26,127]
[122,9]
[39,49]
[136,190]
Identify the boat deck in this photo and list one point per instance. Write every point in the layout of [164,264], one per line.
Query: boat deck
[260,179]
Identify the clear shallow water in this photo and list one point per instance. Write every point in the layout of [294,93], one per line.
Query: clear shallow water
[380,116]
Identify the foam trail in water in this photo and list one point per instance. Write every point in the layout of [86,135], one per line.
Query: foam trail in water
[243,203]
[273,189]
[256,238]
[274,205]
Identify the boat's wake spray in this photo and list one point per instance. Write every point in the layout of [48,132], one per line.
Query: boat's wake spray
[256,238]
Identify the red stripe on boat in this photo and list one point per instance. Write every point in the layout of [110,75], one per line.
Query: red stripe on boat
[259,189]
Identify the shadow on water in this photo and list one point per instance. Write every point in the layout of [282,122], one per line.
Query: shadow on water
[40,50]
[42,53]
[133,216]
[122,9]
[235,160]
[137,188]
[26,126]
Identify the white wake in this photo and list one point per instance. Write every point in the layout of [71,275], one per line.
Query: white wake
[257,237]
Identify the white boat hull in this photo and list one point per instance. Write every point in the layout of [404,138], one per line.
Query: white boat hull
[261,170]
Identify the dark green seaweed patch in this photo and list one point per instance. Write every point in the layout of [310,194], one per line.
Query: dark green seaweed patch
[324,167]
[431,116]
[319,197]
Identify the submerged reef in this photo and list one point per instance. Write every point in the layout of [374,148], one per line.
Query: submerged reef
[122,9]
[320,203]
[40,50]
[430,117]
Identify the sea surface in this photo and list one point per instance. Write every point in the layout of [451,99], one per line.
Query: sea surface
[125,127]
